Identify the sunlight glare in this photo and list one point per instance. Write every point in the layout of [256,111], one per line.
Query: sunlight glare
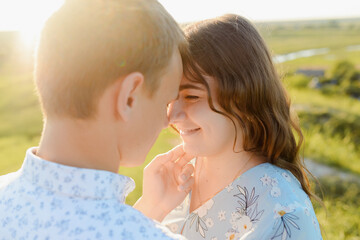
[27,17]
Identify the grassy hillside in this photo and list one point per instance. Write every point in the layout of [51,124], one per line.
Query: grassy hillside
[285,37]
[20,119]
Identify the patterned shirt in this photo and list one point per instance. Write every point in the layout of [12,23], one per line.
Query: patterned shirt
[265,202]
[46,200]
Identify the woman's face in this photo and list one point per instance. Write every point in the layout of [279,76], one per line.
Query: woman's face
[204,132]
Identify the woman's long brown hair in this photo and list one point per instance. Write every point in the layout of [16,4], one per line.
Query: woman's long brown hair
[250,92]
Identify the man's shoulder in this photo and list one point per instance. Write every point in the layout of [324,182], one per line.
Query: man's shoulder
[66,218]
[7,179]
[144,227]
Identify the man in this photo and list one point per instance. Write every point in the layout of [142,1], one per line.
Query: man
[105,72]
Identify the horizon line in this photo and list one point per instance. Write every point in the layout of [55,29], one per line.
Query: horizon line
[290,20]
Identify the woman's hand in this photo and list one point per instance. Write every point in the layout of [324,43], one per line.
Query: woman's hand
[167,180]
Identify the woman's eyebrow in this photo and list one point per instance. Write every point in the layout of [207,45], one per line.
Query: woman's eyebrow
[189,86]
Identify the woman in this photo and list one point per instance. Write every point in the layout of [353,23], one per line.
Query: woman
[234,115]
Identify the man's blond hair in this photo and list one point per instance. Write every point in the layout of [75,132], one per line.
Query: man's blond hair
[89,44]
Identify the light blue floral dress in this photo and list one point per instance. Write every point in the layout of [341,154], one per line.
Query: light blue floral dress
[265,202]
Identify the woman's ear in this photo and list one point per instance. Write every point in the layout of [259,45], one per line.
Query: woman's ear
[128,94]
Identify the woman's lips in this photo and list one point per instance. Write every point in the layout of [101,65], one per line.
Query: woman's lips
[189,132]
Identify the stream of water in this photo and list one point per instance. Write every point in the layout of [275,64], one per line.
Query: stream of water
[300,54]
[309,53]
[321,170]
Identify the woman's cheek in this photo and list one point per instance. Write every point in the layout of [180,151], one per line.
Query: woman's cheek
[199,111]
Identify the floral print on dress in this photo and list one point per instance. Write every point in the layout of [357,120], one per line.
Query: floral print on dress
[241,224]
[229,187]
[222,215]
[266,180]
[174,227]
[232,235]
[265,202]
[247,213]
[286,222]
[275,191]
[308,207]
[273,183]
[209,222]
[197,217]
[286,176]
[199,223]
[248,204]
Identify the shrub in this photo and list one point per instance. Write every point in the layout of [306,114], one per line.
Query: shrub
[298,81]
[343,70]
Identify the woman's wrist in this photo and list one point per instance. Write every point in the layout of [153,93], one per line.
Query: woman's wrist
[150,209]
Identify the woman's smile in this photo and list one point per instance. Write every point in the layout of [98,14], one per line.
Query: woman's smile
[188,132]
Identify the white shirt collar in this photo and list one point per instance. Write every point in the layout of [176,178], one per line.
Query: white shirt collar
[75,182]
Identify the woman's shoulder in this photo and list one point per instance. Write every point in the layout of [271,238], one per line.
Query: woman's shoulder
[273,185]
[272,196]
[269,175]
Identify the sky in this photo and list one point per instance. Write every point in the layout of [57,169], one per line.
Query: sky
[29,15]
[262,10]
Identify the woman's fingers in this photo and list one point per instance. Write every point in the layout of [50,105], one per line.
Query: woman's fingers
[184,159]
[170,156]
[182,169]
[186,186]
[186,173]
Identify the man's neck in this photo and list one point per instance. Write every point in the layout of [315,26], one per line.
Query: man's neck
[78,143]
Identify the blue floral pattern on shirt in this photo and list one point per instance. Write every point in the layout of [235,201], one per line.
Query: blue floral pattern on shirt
[46,200]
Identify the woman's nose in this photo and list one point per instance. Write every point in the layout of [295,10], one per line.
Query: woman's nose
[175,112]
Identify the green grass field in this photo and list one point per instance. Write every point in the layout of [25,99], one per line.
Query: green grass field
[329,122]
[285,38]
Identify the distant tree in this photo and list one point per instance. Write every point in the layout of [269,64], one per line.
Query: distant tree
[353,90]
[347,79]
[333,24]
[344,71]
[309,26]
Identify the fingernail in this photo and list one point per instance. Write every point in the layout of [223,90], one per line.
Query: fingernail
[181,188]
[183,177]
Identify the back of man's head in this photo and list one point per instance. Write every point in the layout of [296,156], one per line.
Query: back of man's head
[88,44]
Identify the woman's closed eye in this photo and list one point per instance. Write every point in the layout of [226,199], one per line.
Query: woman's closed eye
[191,97]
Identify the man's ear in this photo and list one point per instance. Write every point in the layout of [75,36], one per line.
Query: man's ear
[127,96]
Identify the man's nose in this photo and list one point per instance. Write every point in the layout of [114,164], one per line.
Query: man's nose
[175,112]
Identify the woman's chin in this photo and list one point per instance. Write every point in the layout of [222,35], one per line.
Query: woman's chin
[191,149]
